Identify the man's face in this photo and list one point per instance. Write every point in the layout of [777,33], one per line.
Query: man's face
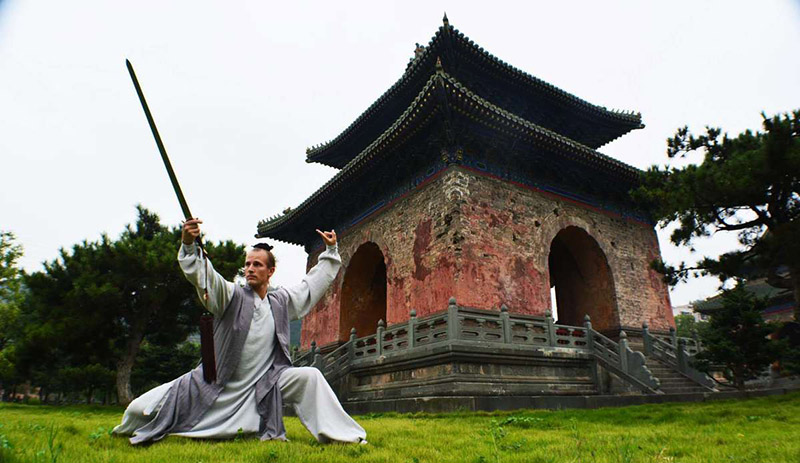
[256,271]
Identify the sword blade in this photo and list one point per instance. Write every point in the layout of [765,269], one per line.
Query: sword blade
[175,185]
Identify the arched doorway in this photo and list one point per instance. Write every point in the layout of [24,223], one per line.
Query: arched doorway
[363,292]
[582,281]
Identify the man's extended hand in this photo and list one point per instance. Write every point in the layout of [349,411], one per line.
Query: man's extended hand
[328,237]
[191,230]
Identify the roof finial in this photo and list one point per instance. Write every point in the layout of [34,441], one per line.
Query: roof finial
[445,21]
[418,51]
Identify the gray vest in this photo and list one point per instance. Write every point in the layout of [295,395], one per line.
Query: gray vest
[190,397]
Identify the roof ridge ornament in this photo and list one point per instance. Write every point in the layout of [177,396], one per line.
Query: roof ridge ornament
[445,21]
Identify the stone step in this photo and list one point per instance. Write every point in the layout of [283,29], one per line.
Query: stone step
[659,366]
[661,370]
[656,364]
[673,380]
[682,390]
[668,375]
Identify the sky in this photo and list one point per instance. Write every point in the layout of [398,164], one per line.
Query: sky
[239,90]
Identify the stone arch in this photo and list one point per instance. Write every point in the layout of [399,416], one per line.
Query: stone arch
[583,281]
[363,297]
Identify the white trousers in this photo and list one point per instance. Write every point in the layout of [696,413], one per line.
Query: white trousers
[317,406]
[304,388]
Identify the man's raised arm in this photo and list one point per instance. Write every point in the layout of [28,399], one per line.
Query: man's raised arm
[305,295]
[220,291]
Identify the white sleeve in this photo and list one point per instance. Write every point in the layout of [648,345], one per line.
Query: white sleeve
[305,295]
[220,291]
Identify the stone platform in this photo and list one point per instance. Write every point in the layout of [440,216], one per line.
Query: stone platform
[444,404]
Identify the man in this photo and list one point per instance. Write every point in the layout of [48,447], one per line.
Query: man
[254,373]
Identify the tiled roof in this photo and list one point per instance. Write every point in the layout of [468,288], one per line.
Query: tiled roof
[759,288]
[423,64]
[465,102]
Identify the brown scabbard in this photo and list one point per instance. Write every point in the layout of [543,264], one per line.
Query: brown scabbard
[207,348]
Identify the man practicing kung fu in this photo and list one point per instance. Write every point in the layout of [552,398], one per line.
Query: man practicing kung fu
[254,375]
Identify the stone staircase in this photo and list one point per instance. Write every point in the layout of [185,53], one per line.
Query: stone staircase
[672,381]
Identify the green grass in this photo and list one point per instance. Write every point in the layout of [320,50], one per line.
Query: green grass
[757,430]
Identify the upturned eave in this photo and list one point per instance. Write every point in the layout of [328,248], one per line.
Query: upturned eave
[465,102]
[448,36]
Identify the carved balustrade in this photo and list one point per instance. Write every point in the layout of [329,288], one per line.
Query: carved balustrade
[693,345]
[463,324]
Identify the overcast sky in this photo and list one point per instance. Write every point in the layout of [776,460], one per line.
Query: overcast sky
[239,89]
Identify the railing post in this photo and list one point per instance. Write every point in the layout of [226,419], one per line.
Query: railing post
[696,338]
[623,351]
[379,337]
[551,329]
[504,318]
[680,353]
[452,320]
[648,343]
[673,336]
[587,324]
[412,335]
[351,349]
[316,357]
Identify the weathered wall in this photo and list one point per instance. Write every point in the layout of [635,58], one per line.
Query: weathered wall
[420,243]
[487,242]
[508,230]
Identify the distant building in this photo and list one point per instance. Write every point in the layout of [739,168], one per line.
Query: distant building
[688,309]
[780,301]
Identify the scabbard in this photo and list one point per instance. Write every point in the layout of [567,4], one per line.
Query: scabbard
[207,348]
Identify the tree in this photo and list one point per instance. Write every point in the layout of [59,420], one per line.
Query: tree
[749,185]
[10,284]
[11,295]
[96,304]
[86,379]
[157,364]
[736,336]
[685,325]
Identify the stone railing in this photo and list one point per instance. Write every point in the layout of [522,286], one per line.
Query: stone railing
[463,324]
[677,353]
[621,359]
[304,359]
[693,345]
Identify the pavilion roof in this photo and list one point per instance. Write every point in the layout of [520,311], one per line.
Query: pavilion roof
[441,93]
[758,287]
[535,100]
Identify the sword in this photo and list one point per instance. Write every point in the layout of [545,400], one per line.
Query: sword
[207,320]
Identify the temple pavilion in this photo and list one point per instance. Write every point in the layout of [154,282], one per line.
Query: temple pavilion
[471,179]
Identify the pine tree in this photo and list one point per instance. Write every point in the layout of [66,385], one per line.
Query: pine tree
[737,338]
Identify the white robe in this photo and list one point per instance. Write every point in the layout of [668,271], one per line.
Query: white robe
[235,409]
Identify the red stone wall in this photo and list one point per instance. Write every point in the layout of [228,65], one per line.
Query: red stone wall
[419,239]
[508,231]
[487,242]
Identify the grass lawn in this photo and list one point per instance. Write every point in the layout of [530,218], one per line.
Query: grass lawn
[765,429]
